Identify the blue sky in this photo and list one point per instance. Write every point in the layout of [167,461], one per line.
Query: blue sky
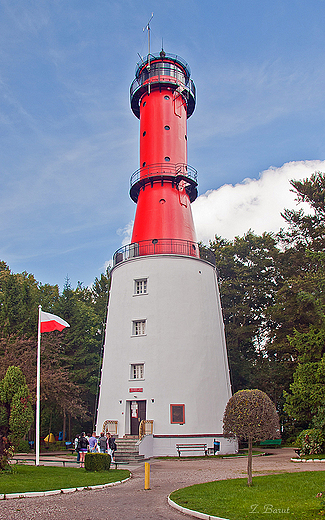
[69,141]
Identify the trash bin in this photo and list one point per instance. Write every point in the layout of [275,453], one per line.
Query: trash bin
[216,446]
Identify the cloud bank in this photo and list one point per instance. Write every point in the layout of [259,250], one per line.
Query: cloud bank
[254,204]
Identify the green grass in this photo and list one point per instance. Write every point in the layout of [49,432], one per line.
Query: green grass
[289,495]
[318,456]
[25,478]
[242,453]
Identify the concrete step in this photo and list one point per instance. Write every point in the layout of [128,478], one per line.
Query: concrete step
[128,450]
[127,458]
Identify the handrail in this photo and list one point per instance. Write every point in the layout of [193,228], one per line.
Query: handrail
[160,172]
[167,57]
[145,428]
[177,170]
[161,246]
[110,427]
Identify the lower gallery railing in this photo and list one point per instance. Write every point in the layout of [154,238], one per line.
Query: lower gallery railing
[162,246]
[145,428]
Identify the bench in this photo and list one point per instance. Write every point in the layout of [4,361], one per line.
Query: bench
[64,462]
[118,463]
[271,443]
[192,447]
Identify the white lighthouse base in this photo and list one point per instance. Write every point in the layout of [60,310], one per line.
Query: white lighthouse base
[165,445]
[165,357]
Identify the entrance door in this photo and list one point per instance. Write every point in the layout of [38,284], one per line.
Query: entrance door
[138,414]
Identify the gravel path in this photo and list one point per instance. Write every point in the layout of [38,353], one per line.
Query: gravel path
[129,501]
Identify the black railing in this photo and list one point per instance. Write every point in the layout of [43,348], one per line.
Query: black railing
[162,169]
[173,173]
[168,70]
[167,57]
[162,246]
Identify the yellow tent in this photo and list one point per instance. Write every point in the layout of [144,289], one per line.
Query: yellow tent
[49,438]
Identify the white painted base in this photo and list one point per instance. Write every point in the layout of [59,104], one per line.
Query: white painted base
[160,446]
[182,350]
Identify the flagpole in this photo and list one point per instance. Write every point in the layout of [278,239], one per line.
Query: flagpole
[38,387]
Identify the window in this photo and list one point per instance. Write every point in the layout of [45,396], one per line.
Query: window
[139,327]
[137,371]
[177,413]
[140,286]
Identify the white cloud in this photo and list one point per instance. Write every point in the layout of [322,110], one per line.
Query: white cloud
[253,204]
[126,233]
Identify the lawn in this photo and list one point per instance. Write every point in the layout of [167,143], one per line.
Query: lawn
[288,495]
[25,478]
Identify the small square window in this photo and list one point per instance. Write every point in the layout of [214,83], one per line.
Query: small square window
[139,328]
[141,286]
[137,371]
[177,413]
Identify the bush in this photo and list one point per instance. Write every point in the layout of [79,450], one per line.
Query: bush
[21,446]
[97,461]
[311,442]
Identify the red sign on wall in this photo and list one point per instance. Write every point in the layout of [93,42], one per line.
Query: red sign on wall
[135,390]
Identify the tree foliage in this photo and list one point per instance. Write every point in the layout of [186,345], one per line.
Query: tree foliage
[70,360]
[16,413]
[251,415]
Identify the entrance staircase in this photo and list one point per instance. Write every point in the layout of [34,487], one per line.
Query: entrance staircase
[128,450]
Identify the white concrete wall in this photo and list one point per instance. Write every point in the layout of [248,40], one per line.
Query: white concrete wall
[183,350]
[151,446]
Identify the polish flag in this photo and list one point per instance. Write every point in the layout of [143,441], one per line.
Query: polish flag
[51,322]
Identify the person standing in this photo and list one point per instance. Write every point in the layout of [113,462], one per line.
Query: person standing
[92,443]
[83,448]
[102,443]
[111,446]
[76,442]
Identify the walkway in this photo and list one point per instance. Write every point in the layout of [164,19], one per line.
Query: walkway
[129,501]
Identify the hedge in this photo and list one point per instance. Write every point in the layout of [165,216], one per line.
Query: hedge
[97,461]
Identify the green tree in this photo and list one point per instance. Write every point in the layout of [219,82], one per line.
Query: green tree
[299,309]
[16,413]
[251,415]
[247,276]
[20,295]
[85,310]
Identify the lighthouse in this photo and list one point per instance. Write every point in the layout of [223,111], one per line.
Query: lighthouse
[165,376]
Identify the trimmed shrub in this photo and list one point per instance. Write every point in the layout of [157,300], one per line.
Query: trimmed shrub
[311,442]
[97,461]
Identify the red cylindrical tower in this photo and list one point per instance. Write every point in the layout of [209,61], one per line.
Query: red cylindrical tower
[163,97]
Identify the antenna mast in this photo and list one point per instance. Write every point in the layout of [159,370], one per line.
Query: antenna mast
[148,66]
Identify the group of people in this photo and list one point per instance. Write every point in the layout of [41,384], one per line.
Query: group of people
[103,444]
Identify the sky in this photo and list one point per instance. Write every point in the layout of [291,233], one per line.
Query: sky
[69,141]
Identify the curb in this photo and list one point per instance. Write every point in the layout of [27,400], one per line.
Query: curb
[293,459]
[33,494]
[190,512]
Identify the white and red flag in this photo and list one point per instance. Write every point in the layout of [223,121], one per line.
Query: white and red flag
[51,322]
[46,323]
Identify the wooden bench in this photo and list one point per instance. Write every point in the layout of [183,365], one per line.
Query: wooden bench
[64,462]
[271,443]
[192,447]
[119,463]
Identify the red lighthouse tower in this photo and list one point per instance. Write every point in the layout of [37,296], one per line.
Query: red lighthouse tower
[163,97]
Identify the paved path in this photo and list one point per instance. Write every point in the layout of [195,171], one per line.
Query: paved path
[129,501]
